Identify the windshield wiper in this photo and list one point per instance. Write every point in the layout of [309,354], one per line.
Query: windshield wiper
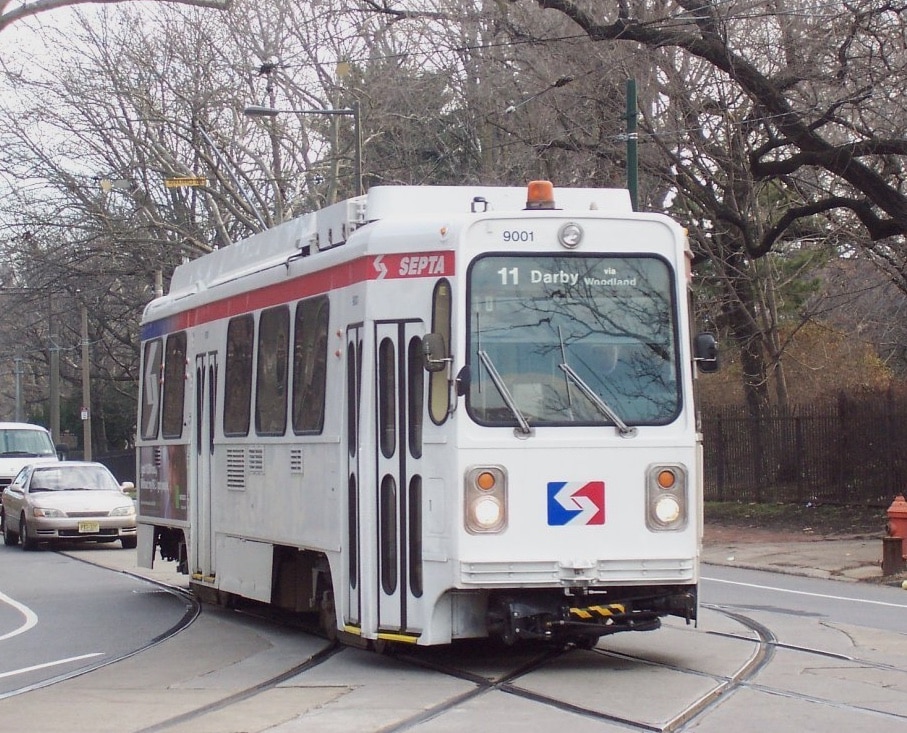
[505,393]
[625,430]
[28,453]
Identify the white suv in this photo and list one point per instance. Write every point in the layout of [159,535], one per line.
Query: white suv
[21,444]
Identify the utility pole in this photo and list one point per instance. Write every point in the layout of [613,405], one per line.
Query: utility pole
[632,142]
[54,348]
[86,387]
[19,415]
[353,111]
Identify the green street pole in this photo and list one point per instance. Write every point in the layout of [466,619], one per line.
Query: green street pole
[86,386]
[632,140]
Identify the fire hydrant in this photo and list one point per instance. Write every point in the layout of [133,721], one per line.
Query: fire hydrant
[897,517]
[897,521]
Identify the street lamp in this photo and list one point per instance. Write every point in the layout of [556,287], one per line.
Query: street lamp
[258,111]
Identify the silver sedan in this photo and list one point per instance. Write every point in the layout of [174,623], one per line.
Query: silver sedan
[64,502]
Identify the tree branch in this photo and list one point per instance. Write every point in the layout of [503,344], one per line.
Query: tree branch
[793,128]
[878,228]
[29,10]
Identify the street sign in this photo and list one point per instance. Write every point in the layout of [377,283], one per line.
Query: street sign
[180,182]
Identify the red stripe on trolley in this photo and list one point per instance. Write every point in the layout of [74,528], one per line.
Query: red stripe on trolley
[363,269]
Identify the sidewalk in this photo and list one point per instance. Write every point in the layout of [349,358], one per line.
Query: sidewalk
[855,558]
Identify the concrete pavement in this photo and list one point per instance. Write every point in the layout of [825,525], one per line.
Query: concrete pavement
[856,558]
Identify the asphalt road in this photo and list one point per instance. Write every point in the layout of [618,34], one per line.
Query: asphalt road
[834,655]
[868,605]
[60,616]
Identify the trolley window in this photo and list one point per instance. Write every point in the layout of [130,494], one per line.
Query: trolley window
[387,398]
[387,534]
[310,338]
[438,388]
[568,333]
[151,388]
[415,536]
[352,394]
[174,385]
[271,374]
[238,376]
[416,401]
[352,530]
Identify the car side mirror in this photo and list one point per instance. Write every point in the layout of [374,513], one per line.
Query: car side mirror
[705,352]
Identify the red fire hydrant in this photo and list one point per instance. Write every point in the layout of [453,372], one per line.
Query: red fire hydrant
[897,521]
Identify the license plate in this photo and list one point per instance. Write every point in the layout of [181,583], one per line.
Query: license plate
[89,527]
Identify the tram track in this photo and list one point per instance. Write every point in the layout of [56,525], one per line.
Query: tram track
[192,611]
[765,647]
[762,654]
[487,672]
[776,645]
[245,694]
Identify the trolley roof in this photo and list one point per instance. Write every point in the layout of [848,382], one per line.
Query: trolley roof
[331,226]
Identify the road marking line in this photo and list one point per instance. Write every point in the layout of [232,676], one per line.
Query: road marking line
[13,672]
[805,593]
[31,618]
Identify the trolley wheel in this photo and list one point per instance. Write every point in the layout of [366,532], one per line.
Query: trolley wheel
[508,634]
[583,641]
[327,616]
[225,599]
[383,646]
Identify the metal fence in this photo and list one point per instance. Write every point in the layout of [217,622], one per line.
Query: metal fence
[852,452]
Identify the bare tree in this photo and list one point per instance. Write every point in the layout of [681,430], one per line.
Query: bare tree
[21,11]
[97,127]
[752,115]
[823,102]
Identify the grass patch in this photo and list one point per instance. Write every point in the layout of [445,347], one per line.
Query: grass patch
[822,519]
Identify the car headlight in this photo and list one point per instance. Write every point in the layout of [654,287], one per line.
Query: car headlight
[48,512]
[123,511]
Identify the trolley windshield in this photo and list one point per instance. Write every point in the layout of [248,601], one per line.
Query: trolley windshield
[572,340]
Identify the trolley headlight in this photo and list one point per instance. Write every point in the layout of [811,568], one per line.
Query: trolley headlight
[666,497]
[485,499]
[487,512]
[667,509]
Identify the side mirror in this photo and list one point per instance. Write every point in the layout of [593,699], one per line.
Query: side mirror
[705,352]
[434,352]
[62,451]
[463,378]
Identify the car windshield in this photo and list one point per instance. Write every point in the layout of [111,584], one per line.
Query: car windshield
[23,442]
[576,339]
[72,478]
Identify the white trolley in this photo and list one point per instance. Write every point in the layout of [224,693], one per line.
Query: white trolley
[433,413]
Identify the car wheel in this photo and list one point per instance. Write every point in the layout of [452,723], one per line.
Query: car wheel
[10,538]
[27,542]
[129,543]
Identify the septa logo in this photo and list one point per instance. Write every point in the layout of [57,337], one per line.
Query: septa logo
[576,502]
